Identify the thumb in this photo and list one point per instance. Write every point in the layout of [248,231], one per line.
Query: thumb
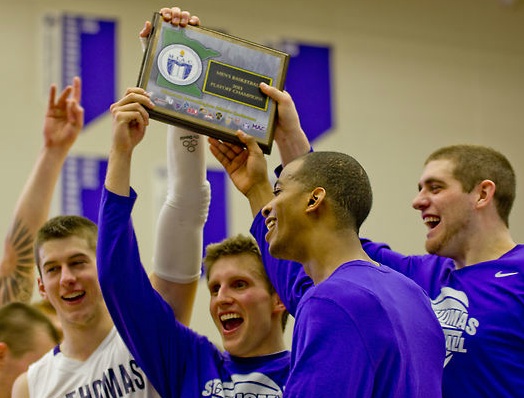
[249,141]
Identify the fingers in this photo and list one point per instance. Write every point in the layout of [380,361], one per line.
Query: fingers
[194,20]
[129,112]
[77,89]
[146,30]
[225,152]
[52,96]
[133,95]
[132,107]
[249,141]
[75,113]
[62,100]
[177,17]
[274,93]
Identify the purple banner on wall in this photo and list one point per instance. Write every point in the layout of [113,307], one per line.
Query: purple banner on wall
[82,182]
[216,227]
[309,82]
[89,51]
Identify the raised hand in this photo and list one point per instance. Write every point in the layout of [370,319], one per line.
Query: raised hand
[247,168]
[64,118]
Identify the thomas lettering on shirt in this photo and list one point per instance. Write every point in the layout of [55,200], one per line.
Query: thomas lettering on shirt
[451,308]
[114,383]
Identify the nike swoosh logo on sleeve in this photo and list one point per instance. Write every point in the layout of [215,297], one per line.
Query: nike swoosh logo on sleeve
[501,274]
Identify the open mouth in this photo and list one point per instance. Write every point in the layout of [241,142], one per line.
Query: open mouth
[71,297]
[231,321]
[270,224]
[431,221]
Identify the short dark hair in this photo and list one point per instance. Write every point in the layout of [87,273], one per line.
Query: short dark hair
[476,163]
[61,227]
[18,324]
[345,181]
[235,245]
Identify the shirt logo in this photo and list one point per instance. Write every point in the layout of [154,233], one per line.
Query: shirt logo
[452,310]
[252,385]
[501,274]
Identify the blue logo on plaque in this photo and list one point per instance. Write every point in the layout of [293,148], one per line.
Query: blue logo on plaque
[179,64]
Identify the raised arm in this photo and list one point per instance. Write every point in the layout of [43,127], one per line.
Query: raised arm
[177,261]
[130,120]
[63,122]
[180,228]
[291,140]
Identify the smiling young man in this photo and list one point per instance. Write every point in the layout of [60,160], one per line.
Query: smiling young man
[92,359]
[242,298]
[246,311]
[475,272]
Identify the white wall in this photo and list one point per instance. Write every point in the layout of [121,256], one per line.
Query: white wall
[409,76]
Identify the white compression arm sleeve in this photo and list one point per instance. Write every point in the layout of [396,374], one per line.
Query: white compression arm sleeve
[179,232]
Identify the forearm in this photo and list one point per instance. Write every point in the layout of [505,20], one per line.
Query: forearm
[179,234]
[118,175]
[31,211]
[292,145]
[260,195]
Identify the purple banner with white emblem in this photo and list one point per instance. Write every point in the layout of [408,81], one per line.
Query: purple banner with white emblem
[89,51]
[309,82]
[82,182]
[216,227]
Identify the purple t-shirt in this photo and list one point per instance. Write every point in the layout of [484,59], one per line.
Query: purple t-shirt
[365,331]
[481,310]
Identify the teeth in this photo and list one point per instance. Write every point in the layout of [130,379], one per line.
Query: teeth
[270,224]
[431,219]
[73,295]
[229,316]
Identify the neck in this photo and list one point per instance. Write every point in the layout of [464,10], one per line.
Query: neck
[330,252]
[489,244]
[6,382]
[80,341]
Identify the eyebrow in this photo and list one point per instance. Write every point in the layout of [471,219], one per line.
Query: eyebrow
[74,256]
[429,181]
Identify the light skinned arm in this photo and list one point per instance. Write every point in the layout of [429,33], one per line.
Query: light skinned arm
[63,122]
[177,261]
[130,120]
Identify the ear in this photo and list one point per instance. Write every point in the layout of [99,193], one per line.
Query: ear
[486,191]
[278,305]
[3,353]
[316,197]
[41,288]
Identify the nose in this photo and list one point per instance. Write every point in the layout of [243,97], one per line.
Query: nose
[266,210]
[66,275]
[420,201]
[223,296]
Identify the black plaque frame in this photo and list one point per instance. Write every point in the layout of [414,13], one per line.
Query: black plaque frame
[208,81]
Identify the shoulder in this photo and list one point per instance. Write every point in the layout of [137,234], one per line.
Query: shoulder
[21,387]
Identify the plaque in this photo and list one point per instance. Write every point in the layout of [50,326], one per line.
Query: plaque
[208,82]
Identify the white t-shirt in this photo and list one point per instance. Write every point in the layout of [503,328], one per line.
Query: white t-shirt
[110,371]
